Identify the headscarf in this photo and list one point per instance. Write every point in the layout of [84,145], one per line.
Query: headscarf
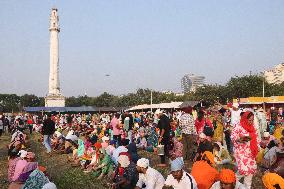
[126,154]
[209,156]
[123,160]
[30,155]
[252,133]
[271,179]
[202,135]
[23,154]
[227,176]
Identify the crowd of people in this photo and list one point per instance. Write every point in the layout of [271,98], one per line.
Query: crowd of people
[218,148]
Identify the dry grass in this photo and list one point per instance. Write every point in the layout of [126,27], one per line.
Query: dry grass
[67,177]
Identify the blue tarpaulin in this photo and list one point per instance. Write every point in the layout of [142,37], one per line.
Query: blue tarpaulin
[73,109]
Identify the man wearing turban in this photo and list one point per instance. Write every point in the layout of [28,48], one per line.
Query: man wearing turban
[148,176]
[227,181]
[204,171]
[273,181]
[180,179]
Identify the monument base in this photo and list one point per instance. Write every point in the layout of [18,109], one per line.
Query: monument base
[55,101]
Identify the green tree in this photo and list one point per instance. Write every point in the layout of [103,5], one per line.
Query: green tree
[245,86]
[10,102]
[72,101]
[31,100]
[104,99]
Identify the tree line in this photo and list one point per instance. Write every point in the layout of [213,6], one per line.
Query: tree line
[236,87]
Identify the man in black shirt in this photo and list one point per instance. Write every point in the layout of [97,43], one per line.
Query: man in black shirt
[48,130]
[164,139]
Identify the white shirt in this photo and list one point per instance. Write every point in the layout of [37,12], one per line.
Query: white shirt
[152,179]
[184,183]
[217,185]
[235,117]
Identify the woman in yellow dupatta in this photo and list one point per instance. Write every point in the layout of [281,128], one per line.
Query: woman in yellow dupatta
[218,127]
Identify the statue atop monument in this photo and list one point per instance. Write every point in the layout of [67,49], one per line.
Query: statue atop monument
[54,20]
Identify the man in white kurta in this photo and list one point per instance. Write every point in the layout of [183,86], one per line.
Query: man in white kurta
[180,179]
[148,176]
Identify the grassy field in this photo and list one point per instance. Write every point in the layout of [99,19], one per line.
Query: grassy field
[67,177]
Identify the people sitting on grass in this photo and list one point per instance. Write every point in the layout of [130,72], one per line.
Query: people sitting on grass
[125,175]
[13,159]
[141,141]
[105,166]
[77,152]
[91,157]
[89,144]
[221,154]
[25,173]
[57,141]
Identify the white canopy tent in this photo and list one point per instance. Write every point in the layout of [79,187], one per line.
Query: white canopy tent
[171,105]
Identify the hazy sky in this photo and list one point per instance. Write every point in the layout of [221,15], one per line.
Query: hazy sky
[140,44]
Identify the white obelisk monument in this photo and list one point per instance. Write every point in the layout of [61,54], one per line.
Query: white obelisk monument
[54,97]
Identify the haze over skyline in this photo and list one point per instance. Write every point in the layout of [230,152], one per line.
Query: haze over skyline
[140,44]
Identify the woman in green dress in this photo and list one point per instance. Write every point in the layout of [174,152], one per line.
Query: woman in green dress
[105,167]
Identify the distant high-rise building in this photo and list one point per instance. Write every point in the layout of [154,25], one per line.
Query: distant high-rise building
[190,82]
[275,75]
